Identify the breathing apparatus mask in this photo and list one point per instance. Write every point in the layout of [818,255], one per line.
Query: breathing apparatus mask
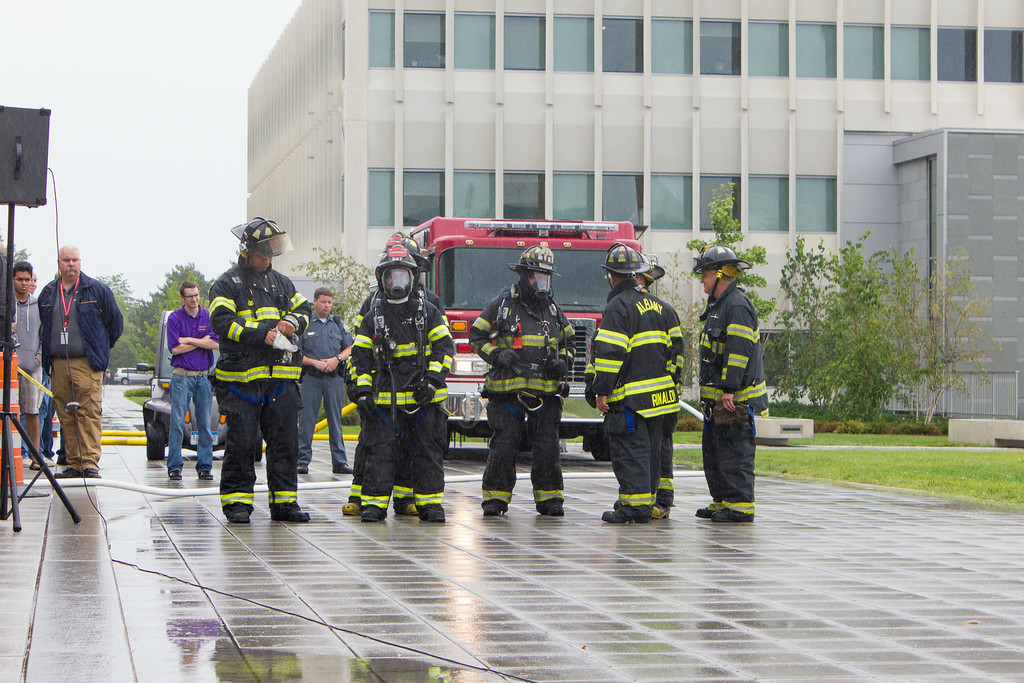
[397,283]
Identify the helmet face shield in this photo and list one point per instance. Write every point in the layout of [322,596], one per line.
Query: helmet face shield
[275,245]
[540,283]
[397,282]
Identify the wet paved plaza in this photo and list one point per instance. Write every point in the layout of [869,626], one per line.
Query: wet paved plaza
[830,583]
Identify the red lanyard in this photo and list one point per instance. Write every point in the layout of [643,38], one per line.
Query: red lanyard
[66,303]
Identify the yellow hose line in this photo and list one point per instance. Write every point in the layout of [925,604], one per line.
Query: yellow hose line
[322,424]
[122,441]
[123,432]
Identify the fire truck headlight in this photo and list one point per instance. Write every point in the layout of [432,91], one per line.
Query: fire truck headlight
[469,366]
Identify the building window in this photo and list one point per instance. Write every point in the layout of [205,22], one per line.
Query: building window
[622,45]
[422,196]
[474,194]
[424,41]
[1004,56]
[816,205]
[933,220]
[474,41]
[623,198]
[382,40]
[573,197]
[574,44]
[816,50]
[671,46]
[524,43]
[863,51]
[709,184]
[381,204]
[671,201]
[958,54]
[911,53]
[524,195]
[768,49]
[720,47]
[768,199]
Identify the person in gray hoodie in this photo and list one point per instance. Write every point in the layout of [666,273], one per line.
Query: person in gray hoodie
[26,327]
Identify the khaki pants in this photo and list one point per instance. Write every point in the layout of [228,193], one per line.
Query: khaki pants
[74,380]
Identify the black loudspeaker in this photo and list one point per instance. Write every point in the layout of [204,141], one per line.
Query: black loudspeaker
[24,143]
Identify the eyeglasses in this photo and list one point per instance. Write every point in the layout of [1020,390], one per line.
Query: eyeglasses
[190,296]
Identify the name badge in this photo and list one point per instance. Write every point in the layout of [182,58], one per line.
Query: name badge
[64,338]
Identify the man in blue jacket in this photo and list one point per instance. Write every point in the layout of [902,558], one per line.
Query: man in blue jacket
[79,324]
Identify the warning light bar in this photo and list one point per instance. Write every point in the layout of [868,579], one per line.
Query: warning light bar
[542,229]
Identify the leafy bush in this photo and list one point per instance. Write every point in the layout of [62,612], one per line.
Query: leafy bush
[688,423]
[826,426]
[137,392]
[853,427]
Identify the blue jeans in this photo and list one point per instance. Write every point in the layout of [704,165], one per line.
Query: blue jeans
[330,390]
[198,390]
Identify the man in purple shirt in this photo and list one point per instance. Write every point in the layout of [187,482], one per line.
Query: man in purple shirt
[192,343]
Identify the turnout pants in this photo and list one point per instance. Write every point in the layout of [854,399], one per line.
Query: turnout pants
[403,493]
[665,495]
[728,453]
[508,418]
[422,436]
[277,417]
[635,443]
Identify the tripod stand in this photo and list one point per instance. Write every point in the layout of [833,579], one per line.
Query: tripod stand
[8,482]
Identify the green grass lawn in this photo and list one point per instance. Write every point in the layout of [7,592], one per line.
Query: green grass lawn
[987,476]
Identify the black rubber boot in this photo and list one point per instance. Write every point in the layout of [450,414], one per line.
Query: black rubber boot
[493,508]
[237,513]
[372,513]
[288,512]
[551,507]
[431,513]
[731,516]
[620,517]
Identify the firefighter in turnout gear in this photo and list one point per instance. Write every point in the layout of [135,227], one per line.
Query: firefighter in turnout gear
[402,354]
[527,340]
[636,356]
[402,499]
[256,312]
[732,386]
[665,495]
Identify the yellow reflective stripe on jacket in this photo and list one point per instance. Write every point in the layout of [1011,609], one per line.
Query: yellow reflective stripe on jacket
[402,398]
[260,372]
[613,338]
[519,383]
[607,365]
[737,360]
[649,337]
[222,302]
[743,395]
[743,331]
[439,332]
[235,331]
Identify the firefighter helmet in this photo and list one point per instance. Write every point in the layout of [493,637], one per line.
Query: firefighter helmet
[263,237]
[538,257]
[655,272]
[395,272]
[414,248]
[625,261]
[717,256]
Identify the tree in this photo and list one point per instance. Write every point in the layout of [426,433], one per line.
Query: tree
[939,334]
[133,346]
[345,276]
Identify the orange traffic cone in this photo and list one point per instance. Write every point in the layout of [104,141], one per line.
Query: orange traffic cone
[19,475]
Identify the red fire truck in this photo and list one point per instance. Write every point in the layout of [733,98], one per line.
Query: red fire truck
[469,265]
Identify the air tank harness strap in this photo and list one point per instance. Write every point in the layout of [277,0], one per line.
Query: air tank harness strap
[258,400]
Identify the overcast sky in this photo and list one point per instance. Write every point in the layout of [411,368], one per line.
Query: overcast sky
[148,130]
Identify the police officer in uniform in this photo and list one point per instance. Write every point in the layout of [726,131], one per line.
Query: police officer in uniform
[257,313]
[402,496]
[527,340]
[402,354]
[634,353]
[732,386]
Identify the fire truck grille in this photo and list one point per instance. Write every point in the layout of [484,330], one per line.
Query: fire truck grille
[583,330]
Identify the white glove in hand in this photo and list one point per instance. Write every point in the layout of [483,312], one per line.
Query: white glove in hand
[284,343]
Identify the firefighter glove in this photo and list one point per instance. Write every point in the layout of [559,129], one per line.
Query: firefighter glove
[556,368]
[424,392]
[589,394]
[504,358]
[366,407]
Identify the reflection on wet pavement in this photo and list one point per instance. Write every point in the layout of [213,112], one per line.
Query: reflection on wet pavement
[826,584]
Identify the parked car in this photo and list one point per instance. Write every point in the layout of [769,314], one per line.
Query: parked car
[140,374]
[156,412]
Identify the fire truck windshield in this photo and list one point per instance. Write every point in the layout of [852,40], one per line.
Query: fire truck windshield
[469,277]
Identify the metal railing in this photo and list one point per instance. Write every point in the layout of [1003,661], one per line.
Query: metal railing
[988,394]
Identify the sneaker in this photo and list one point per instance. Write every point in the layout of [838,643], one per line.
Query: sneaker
[551,507]
[342,469]
[288,512]
[660,511]
[431,513]
[493,508]
[620,517]
[69,473]
[174,475]
[351,508]
[237,513]
[206,476]
[732,516]
[302,469]
[91,473]
[372,513]
[405,506]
